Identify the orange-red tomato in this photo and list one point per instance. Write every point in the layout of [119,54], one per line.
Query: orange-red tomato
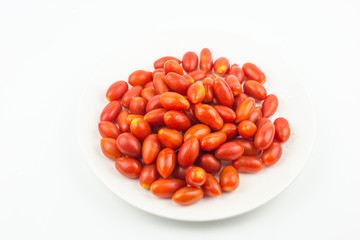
[173,66]
[176,120]
[221,65]
[153,103]
[155,117]
[188,152]
[208,115]
[256,114]
[190,113]
[226,113]
[108,129]
[197,75]
[270,105]
[238,72]
[196,176]
[190,61]
[174,101]
[177,82]
[151,148]
[109,148]
[229,151]
[158,70]
[282,130]
[160,84]
[111,111]
[149,85]
[249,147]
[140,128]
[245,109]
[197,131]
[264,136]
[230,130]
[148,175]
[210,163]
[206,60]
[121,121]
[211,187]
[238,99]
[147,93]
[212,141]
[130,94]
[261,122]
[129,167]
[131,117]
[180,172]
[170,138]
[165,188]
[209,90]
[187,195]
[140,77]
[165,162]
[161,61]
[229,179]
[255,89]
[247,129]
[116,90]
[271,155]
[223,93]
[254,73]
[196,92]
[138,105]
[129,145]
[248,164]
[234,84]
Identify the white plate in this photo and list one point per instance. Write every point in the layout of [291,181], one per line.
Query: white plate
[254,189]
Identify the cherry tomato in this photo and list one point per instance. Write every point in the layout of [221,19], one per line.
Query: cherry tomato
[238,72]
[226,113]
[111,111]
[153,103]
[248,164]
[109,148]
[190,61]
[255,89]
[221,65]
[160,84]
[190,113]
[188,152]
[230,130]
[176,120]
[177,82]
[238,99]
[161,61]
[196,92]
[165,188]
[170,138]
[116,90]
[208,115]
[247,129]
[187,195]
[229,179]
[256,115]
[121,121]
[156,116]
[261,122]
[148,175]
[138,105]
[129,145]
[174,101]
[140,128]
[249,147]
[197,75]
[209,90]
[108,129]
[223,93]
[282,130]
[229,151]
[173,66]
[131,117]
[140,77]
[206,60]
[180,172]
[212,141]
[196,176]
[149,85]
[148,93]
[130,94]
[128,167]
[197,131]
[211,187]
[264,136]
[245,109]
[234,84]
[151,148]
[210,163]
[271,155]
[165,162]
[254,73]
[270,105]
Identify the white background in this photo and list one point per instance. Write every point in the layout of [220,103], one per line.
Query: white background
[47,51]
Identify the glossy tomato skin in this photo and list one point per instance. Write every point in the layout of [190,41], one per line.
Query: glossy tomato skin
[210,163]
[173,66]
[129,167]
[174,101]
[282,130]
[197,75]
[129,145]
[138,105]
[153,104]
[226,113]
[196,92]
[264,136]
[111,111]
[196,176]
[148,175]
[187,196]
[160,84]
[209,90]
[255,90]
[230,130]
[165,188]
[254,73]
[170,138]
[180,172]
[238,72]
[147,94]
[109,148]
[197,131]
[190,61]
[177,82]
[140,77]
[221,65]
[223,92]
[151,148]
[229,179]
[132,117]
[245,109]
[238,99]
[155,117]
[165,162]
[234,84]
[229,151]
[272,155]
[256,114]
[130,94]
[247,129]
[176,120]
[261,122]
[248,164]
[211,187]
[206,60]
[212,141]
[188,152]
[108,129]
[249,146]
[122,123]
[140,128]
[116,90]
[149,85]
[208,115]
[159,63]
[190,113]
[270,105]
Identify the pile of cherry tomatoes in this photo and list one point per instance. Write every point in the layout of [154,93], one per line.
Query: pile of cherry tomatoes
[177,126]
